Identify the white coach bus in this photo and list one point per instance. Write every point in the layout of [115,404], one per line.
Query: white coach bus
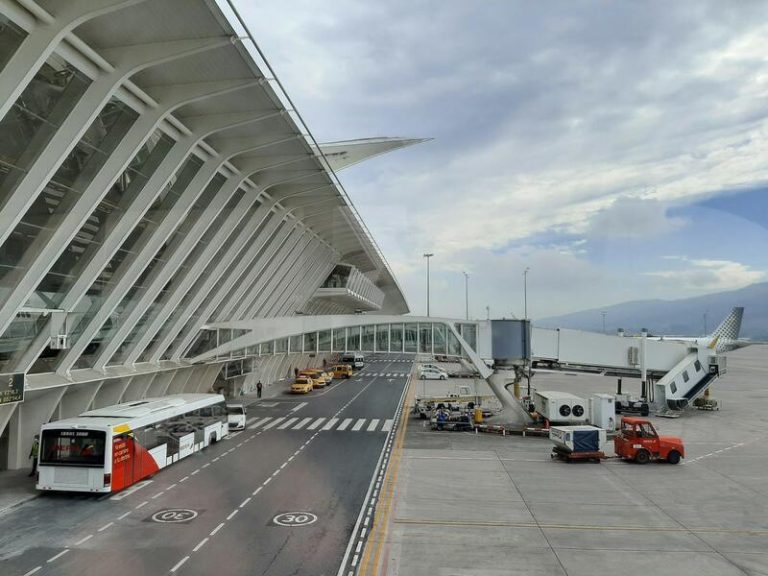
[108,449]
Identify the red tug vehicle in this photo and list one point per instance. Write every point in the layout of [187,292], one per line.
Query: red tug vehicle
[638,441]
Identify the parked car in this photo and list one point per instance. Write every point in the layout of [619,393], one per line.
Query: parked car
[318,377]
[302,385]
[430,373]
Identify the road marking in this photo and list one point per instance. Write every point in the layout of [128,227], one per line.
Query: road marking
[180,563]
[219,527]
[257,490]
[251,420]
[195,472]
[83,540]
[358,424]
[245,502]
[388,374]
[131,490]
[316,423]
[172,486]
[343,425]
[59,555]
[232,515]
[142,504]
[105,527]
[259,423]
[204,466]
[267,481]
[301,424]
[33,571]
[387,425]
[299,407]
[124,515]
[200,544]
[214,460]
[287,423]
[275,422]
[372,425]
[163,491]
[331,423]
[283,465]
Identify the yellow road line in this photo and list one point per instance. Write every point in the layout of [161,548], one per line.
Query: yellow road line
[756,532]
[375,544]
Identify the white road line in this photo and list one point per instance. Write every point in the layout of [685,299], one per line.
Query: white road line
[299,406]
[184,479]
[287,423]
[172,486]
[301,424]
[83,540]
[345,424]
[180,563]
[214,460]
[358,424]
[124,515]
[219,527]
[259,423]
[331,423]
[205,465]
[232,515]
[316,423]
[196,471]
[274,422]
[372,425]
[105,527]
[245,502]
[200,544]
[33,571]
[131,490]
[163,491]
[256,491]
[59,555]
[389,374]
[251,420]
[387,425]
[267,481]
[142,504]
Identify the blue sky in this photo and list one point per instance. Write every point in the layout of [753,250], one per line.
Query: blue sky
[617,149]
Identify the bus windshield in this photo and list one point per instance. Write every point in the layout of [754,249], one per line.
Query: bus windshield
[72,447]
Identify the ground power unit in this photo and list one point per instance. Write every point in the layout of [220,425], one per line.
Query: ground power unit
[561,407]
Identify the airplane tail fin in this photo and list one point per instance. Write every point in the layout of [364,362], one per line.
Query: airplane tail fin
[730,328]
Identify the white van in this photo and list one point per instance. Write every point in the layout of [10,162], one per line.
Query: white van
[236,416]
[355,359]
[432,373]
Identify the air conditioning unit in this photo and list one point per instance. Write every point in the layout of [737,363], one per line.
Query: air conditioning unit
[561,407]
[59,342]
[633,356]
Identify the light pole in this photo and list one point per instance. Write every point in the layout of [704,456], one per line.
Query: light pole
[488,312]
[428,255]
[525,290]
[603,313]
[466,293]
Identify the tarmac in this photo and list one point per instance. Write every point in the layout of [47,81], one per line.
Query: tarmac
[488,505]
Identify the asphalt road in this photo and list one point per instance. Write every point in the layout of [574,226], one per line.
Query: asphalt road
[310,458]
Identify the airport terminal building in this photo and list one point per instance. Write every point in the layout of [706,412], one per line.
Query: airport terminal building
[155,180]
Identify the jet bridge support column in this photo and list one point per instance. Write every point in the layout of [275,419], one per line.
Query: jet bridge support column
[511,351]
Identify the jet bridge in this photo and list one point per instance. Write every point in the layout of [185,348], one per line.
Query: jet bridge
[674,373]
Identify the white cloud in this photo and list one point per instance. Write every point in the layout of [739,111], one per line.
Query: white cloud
[699,275]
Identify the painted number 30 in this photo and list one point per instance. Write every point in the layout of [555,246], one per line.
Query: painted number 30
[295,519]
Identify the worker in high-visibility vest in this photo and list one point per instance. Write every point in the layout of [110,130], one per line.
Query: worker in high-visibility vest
[34,451]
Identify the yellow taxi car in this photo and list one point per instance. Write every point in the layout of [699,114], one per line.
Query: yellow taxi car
[328,376]
[302,385]
[319,380]
[342,371]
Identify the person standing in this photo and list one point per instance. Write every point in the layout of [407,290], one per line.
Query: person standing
[259,386]
[34,451]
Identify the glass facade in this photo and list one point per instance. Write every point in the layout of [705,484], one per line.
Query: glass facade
[396,338]
[411,338]
[339,339]
[368,338]
[382,338]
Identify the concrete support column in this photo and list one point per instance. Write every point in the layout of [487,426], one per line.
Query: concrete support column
[513,413]
[111,392]
[37,409]
[160,384]
[179,381]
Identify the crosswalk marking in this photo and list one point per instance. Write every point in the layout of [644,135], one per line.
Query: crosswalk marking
[275,422]
[331,423]
[251,420]
[287,423]
[299,406]
[343,425]
[316,423]
[301,424]
[373,424]
[389,374]
[259,423]
[387,425]
[358,424]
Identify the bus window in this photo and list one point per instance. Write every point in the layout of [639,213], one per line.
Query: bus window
[72,447]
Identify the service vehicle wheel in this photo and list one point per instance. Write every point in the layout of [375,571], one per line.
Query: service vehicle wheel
[442,377]
[642,457]
[674,457]
[422,377]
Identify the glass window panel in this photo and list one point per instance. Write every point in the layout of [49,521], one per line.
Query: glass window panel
[469,334]
[411,338]
[454,347]
[281,346]
[268,347]
[382,338]
[368,338]
[310,342]
[295,343]
[439,339]
[339,339]
[338,277]
[396,338]
[425,338]
[353,338]
[324,341]
[11,37]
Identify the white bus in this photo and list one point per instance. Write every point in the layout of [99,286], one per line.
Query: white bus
[108,449]
[355,359]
